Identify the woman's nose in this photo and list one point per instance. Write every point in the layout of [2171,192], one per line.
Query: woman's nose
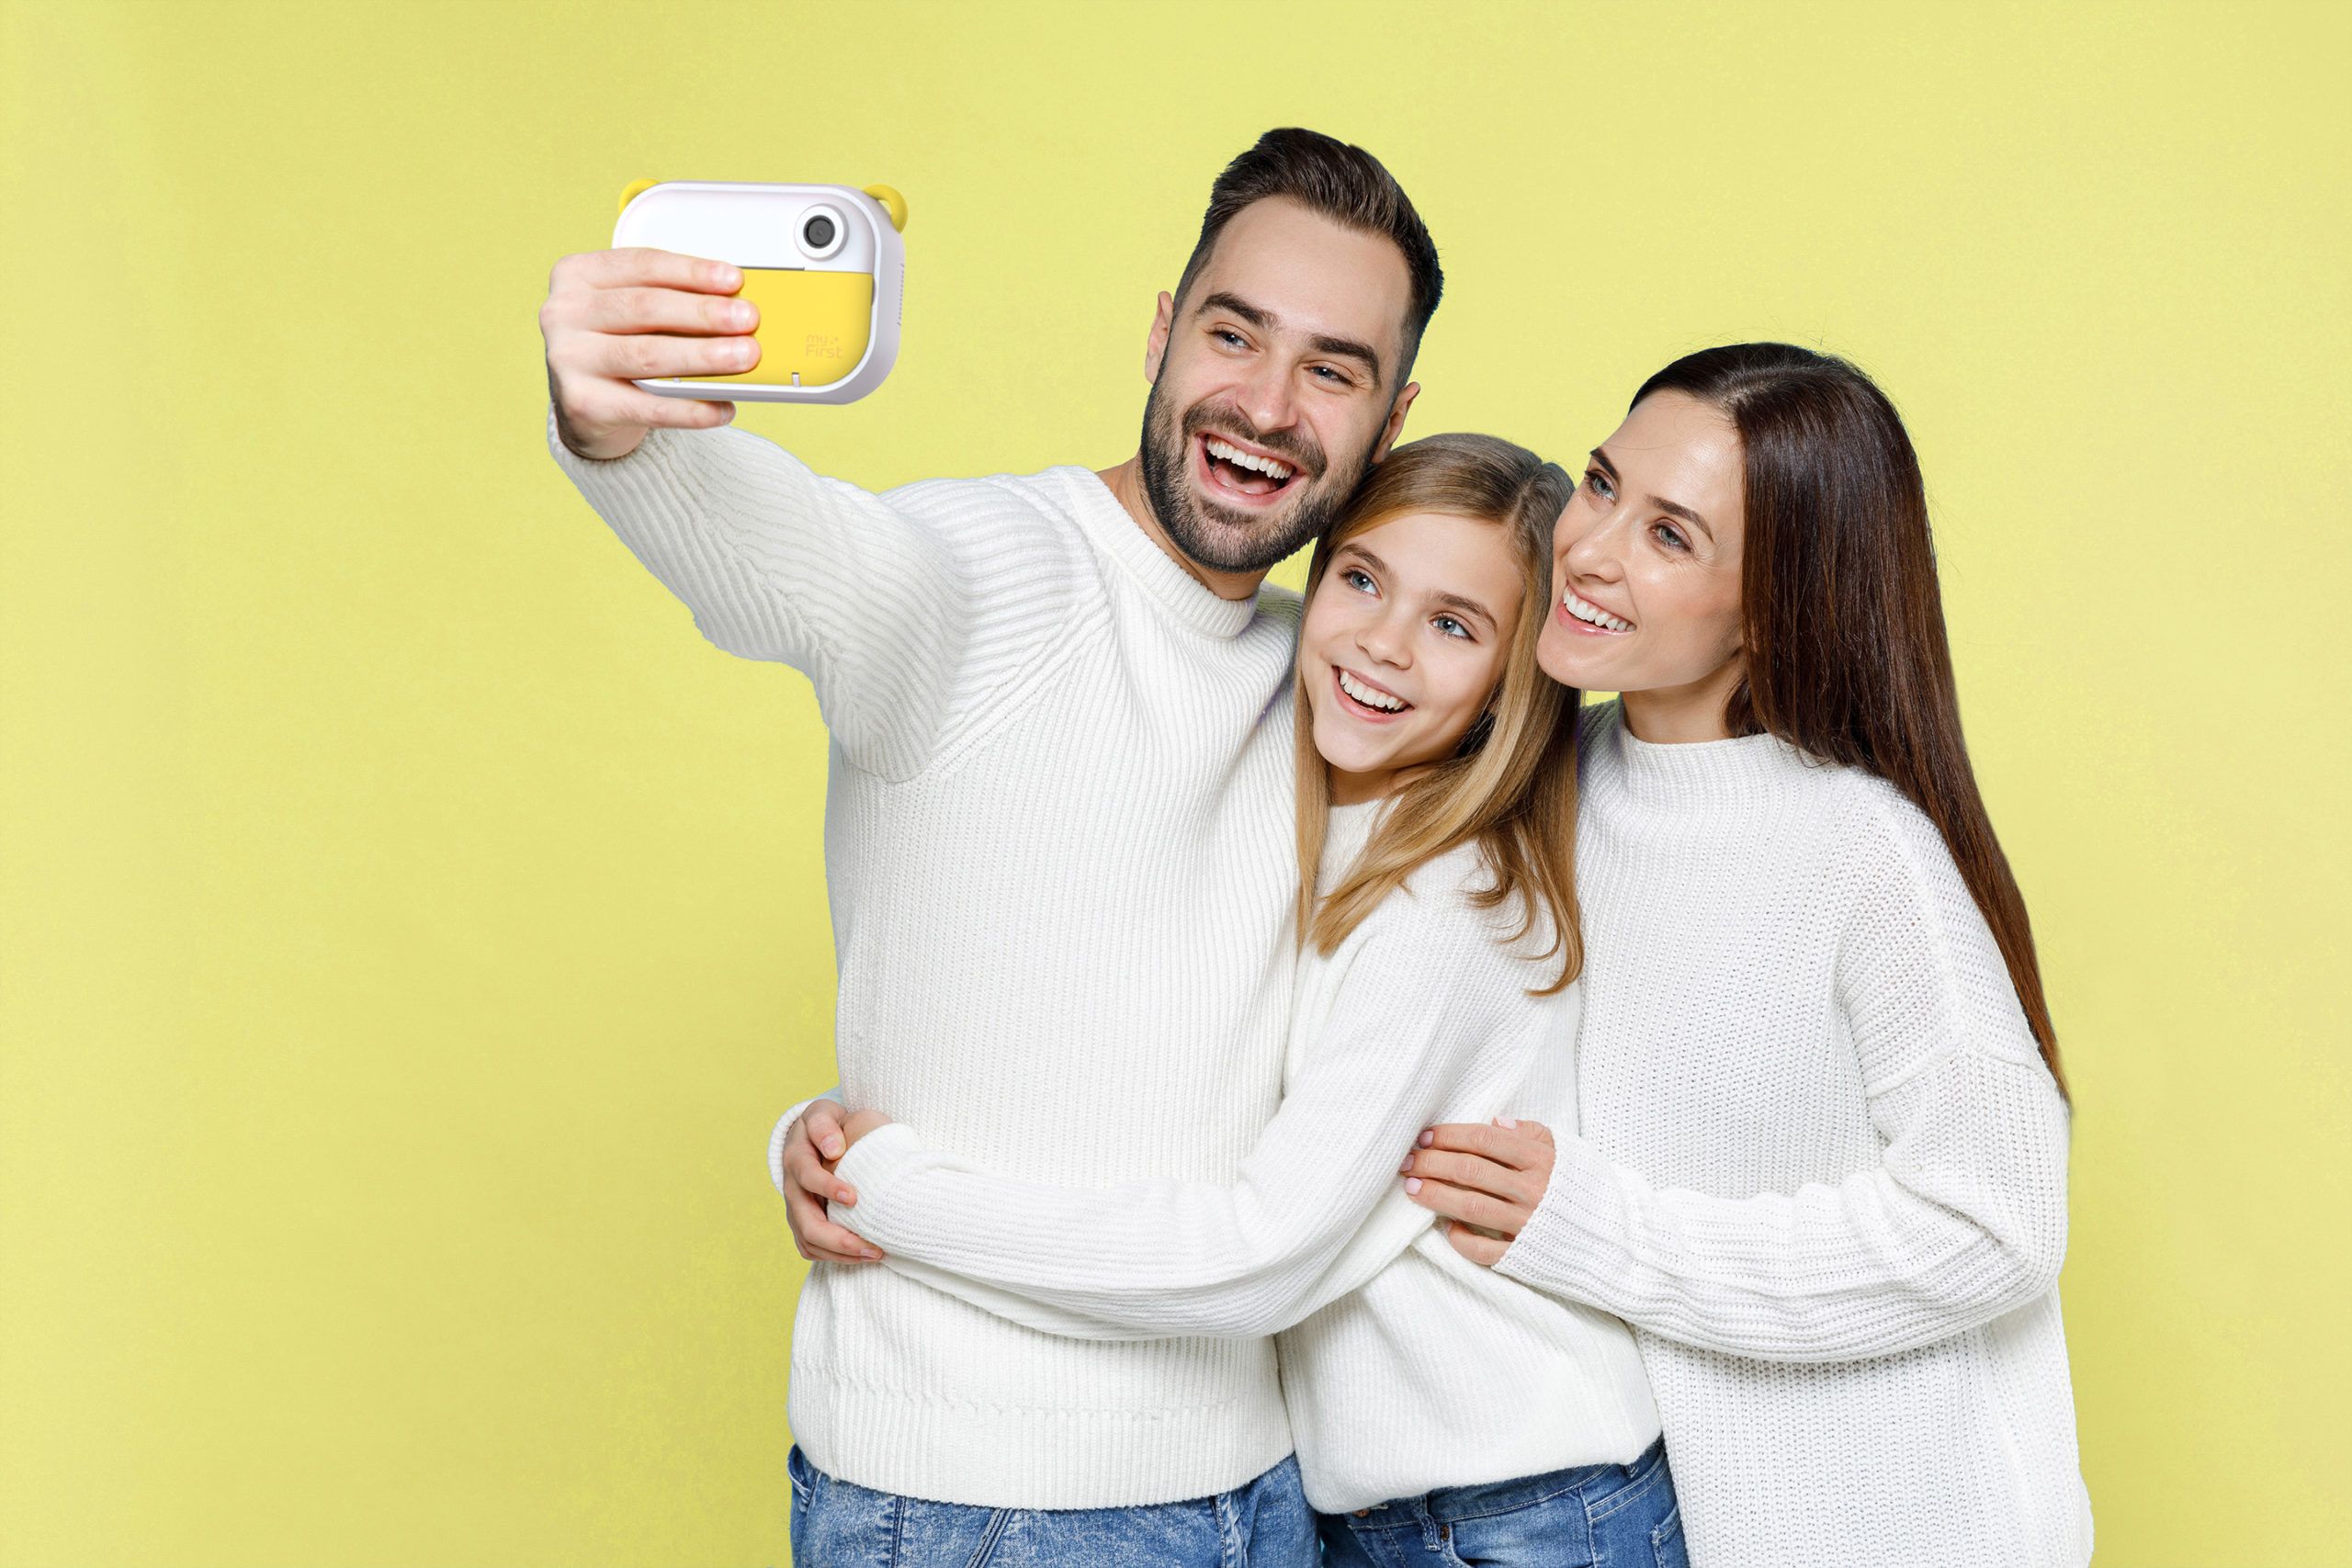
[1593,552]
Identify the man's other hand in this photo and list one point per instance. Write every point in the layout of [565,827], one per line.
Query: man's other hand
[810,1149]
[1485,1179]
[617,317]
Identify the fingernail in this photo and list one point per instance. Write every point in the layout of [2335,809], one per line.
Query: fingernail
[740,352]
[1509,1121]
[1412,1184]
[1405,1167]
[740,314]
[871,1256]
[1426,1139]
[725,276]
[832,1147]
[846,1196]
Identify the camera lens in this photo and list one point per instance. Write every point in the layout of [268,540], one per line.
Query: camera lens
[818,233]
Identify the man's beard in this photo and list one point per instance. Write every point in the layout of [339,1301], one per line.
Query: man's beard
[1220,539]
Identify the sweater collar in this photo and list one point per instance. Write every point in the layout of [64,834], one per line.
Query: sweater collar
[1746,770]
[1176,590]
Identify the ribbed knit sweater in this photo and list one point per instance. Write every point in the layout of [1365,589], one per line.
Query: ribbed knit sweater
[1059,848]
[1422,1370]
[1822,1171]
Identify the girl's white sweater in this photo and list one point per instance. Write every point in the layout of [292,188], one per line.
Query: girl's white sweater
[1404,1367]
[1823,1169]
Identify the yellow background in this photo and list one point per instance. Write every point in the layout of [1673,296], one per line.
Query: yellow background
[410,926]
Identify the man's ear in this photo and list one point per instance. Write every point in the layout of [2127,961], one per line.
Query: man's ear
[1395,420]
[1155,348]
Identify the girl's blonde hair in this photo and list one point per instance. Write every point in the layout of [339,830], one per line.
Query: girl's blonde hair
[1512,784]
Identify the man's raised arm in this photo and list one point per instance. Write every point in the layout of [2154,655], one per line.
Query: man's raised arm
[777,562]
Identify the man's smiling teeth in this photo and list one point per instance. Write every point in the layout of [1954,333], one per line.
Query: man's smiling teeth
[1241,459]
[1591,613]
[1369,697]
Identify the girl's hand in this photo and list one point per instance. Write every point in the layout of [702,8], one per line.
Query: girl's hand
[1488,1179]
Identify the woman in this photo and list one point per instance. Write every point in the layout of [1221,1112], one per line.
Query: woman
[1437,1409]
[1823,1169]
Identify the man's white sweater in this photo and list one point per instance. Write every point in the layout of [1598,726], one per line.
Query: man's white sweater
[1406,1367]
[1822,1170]
[1058,844]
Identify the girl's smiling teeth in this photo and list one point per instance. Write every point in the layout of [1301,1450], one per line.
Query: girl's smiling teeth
[1246,471]
[1592,615]
[1370,696]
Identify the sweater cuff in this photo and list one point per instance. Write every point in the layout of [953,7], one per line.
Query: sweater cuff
[578,466]
[1566,1246]
[888,1151]
[782,1133]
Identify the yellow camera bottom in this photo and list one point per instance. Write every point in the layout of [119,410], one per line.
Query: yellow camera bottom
[813,326]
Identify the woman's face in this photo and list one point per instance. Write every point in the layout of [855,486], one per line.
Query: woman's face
[1404,644]
[1645,565]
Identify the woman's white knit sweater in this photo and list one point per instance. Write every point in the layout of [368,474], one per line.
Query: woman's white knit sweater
[1823,1170]
[1059,847]
[1422,1370]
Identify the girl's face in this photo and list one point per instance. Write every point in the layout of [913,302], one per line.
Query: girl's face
[1645,564]
[1404,645]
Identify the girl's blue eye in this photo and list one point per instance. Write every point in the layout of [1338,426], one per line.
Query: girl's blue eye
[1360,581]
[1451,628]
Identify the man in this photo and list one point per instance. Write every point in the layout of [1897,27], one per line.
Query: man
[1058,831]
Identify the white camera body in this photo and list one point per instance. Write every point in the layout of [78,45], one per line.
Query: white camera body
[824,264]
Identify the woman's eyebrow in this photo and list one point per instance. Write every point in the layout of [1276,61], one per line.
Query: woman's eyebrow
[1678,510]
[1675,508]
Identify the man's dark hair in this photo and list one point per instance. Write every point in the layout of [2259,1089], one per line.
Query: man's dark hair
[1346,185]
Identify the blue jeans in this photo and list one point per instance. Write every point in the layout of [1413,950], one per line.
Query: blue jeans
[1603,1515]
[1265,1524]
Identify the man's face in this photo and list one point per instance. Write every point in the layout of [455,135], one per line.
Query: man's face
[1276,388]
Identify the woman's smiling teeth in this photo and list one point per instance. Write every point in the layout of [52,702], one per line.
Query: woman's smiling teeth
[1584,609]
[1370,696]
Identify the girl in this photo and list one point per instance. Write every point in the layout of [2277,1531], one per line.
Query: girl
[1823,1165]
[1437,1409]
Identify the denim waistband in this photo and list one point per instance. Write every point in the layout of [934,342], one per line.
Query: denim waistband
[1449,1504]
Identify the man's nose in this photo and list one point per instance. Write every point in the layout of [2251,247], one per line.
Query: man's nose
[1269,397]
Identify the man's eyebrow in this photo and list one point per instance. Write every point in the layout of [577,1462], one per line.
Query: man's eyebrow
[1266,320]
[1234,305]
[1600,461]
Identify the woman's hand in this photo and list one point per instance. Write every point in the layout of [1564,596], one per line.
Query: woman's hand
[815,1142]
[1488,1180]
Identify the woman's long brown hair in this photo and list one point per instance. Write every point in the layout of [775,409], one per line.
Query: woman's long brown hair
[1847,655]
[1512,785]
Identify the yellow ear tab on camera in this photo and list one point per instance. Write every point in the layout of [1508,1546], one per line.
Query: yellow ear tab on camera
[893,203]
[635,189]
